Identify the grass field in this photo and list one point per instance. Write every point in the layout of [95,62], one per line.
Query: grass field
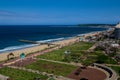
[77,49]
[99,57]
[116,68]
[16,74]
[58,55]
[51,67]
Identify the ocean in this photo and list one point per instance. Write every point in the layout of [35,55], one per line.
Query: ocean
[10,35]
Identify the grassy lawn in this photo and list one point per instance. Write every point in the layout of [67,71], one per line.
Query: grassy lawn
[58,55]
[77,49]
[16,74]
[106,59]
[51,67]
[100,57]
[116,68]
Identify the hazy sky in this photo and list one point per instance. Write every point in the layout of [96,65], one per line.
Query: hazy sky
[59,11]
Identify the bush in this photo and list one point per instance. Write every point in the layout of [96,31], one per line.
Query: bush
[105,59]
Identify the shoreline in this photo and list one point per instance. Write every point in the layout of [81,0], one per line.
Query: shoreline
[24,46]
[3,56]
[33,49]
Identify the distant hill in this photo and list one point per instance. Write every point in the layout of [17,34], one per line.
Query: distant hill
[97,25]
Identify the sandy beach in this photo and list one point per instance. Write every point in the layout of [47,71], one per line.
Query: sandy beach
[3,56]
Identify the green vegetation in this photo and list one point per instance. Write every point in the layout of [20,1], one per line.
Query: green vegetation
[116,68]
[51,67]
[59,55]
[78,54]
[16,74]
[99,57]
[51,79]
[106,59]
[91,58]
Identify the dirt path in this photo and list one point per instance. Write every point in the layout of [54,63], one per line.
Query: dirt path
[72,63]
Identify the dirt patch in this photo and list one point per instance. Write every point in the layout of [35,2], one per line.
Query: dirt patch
[49,66]
[88,73]
[24,62]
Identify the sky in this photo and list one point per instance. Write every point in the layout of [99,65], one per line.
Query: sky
[48,12]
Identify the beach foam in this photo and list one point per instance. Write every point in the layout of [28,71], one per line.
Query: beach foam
[12,48]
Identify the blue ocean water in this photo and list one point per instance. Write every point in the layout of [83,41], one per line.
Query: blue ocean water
[10,35]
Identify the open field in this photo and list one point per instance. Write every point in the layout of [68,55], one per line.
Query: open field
[116,68]
[58,55]
[99,57]
[16,74]
[78,55]
[51,67]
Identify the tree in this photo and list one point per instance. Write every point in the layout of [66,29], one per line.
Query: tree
[10,56]
[86,63]
[37,78]
[117,57]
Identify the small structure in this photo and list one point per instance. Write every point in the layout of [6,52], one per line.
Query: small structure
[81,39]
[67,52]
[22,55]
[2,77]
[115,45]
[10,56]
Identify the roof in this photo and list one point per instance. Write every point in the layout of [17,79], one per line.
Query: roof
[118,25]
[115,45]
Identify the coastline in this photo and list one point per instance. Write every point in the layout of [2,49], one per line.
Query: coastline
[3,56]
[33,49]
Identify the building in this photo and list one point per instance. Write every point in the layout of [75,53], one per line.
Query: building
[2,77]
[115,45]
[117,31]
